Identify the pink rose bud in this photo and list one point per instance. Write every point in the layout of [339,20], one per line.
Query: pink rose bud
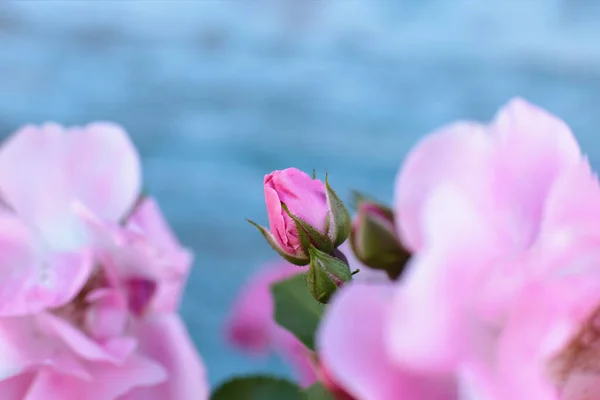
[374,240]
[303,212]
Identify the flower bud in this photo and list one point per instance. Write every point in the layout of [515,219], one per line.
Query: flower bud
[326,274]
[374,240]
[302,212]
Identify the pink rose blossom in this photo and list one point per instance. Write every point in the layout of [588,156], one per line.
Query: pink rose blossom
[503,291]
[304,197]
[91,279]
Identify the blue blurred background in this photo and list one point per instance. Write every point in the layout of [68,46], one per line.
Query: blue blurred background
[218,93]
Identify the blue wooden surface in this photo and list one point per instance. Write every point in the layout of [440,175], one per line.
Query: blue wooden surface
[218,93]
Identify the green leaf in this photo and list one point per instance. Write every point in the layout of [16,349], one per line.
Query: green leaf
[342,224]
[296,310]
[257,387]
[273,242]
[317,392]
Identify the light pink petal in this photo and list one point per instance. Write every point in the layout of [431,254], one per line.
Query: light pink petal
[251,325]
[24,345]
[113,351]
[37,191]
[96,165]
[431,324]
[30,279]
[568,216]
[165,339]
[108,382]
[549,344]
[540,148]
[104,169]
[456,154]
[147,219]
[356,356]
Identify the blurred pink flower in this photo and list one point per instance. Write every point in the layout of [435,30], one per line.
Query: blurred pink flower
[504,288]
[253,329]
[503,291]
[304,197]
[91,279]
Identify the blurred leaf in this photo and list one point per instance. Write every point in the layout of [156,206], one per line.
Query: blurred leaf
[257,387]
[317,392]
[296,310]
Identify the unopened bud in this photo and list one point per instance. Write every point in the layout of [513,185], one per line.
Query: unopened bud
[374,240]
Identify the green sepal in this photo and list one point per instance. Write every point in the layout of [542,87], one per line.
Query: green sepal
[301,261]
[320,285]
[308,234]
[296,310]
[341,222]
[330,264]
[258,387]
[325,275]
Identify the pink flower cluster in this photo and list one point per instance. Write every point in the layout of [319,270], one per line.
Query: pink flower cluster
[91,274]
[501,297]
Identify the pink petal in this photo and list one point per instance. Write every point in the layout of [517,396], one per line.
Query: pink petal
[16,388]
[149,220]
[165,339]
[113,351]
[104,169]
[297,355]
[108,382]
[355,354]
[431,326]
[540,148]
[32,281]
[96,165]
[24,346]
[567,215]
[304,196]
[458,153]
[251,326]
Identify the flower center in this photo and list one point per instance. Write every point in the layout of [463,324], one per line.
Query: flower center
[581,356]
[75,310]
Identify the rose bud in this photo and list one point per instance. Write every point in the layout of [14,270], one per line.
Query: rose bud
[326,274]
[374,240]
[302,212]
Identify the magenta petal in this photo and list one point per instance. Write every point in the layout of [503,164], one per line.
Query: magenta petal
[355,355]
[165,339]
[108,382]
